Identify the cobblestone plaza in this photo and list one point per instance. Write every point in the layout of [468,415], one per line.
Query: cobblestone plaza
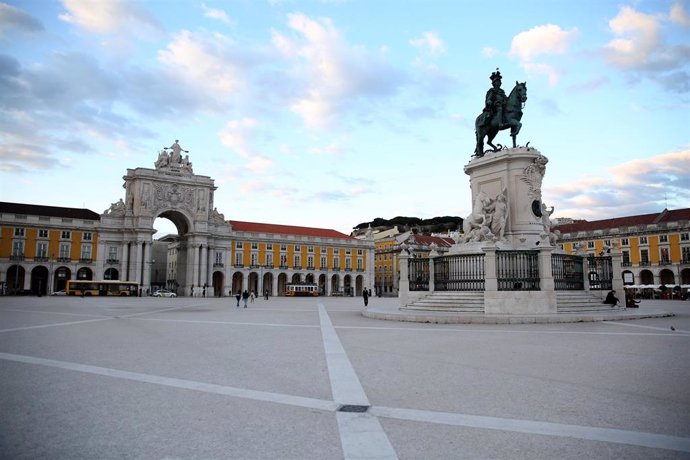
[200,378]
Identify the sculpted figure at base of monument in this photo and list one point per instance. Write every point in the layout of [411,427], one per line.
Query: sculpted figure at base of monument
[488,219]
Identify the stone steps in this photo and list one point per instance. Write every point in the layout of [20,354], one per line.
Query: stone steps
[583,301]
[473,302]
[466,302]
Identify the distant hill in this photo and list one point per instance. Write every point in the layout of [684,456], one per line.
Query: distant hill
[414,224]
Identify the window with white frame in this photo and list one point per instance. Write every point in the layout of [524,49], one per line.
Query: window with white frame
[664,257]
[238,244]
[323,262]
[254,259]
[42,249]
[590,244]
[336,262]
[685,254]
[269,246]
[298,248]
[625,242]
[66,235]
[19,231]
[255,245]
[43,233]
[359,252]
[283,260]
[360,264]
[283,247]
[218,258]
[87,236]
[269,260]
[643,240]
[310,261]
[644,256]
[348,251]
[298,261]
[112,252]
[64,251]
[607,243]
[238,258]
[626,257]
[18,247]
[663,238]
[310,248]
[86,251]
[685,236]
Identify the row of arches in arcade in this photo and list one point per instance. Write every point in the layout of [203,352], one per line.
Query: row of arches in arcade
[333,285]
[665,276]
[40,282]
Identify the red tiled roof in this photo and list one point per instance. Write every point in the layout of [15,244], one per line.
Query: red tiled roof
[258,227]
[621,222]
[440,241]
[48,211]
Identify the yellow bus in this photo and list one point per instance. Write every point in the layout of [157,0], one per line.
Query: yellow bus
[293,290]
[107,287]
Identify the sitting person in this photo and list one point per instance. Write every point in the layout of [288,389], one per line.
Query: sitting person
[611,299]
[630,302]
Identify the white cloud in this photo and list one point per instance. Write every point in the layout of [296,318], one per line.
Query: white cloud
[215,13]
[205,62]
[490,52]
[547,39]
[679,15]
[431,42]
[540,42]
[639,37]
[111,16]
[237,135]
[634,187]
[330,75]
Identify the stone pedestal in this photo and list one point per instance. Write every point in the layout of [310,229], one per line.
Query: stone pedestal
[517,174]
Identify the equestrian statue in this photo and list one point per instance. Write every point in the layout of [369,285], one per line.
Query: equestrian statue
[500,112]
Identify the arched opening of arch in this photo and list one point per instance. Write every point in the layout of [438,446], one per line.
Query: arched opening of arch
[268,284]
[667,277]
[322,284]
[111,274]
[282,283]
[218,284]
[646,277]
[39,280]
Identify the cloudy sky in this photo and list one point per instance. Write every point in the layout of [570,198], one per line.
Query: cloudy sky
[332,113]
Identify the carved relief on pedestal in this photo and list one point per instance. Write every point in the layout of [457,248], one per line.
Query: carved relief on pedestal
[533,175]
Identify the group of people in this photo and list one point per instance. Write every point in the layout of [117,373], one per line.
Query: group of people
[612,300]
[247,297]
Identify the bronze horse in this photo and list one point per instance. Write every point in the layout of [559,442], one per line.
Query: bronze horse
[512,113]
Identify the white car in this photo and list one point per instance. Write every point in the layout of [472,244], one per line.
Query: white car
[60,292]
[164,293]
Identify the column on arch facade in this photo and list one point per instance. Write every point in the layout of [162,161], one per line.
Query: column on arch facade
[138,259]
[204,266]
[124,267]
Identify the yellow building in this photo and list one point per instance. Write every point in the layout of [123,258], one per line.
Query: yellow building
[41,247]
[388,246]
[655,247]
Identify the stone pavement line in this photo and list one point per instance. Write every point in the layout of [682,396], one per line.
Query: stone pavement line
[361,434]
[681,331]
[667,333]
[102,318]
[54,313]
[299,401]
[635,438]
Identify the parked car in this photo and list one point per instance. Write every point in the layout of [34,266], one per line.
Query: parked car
[60,292]
[164,293]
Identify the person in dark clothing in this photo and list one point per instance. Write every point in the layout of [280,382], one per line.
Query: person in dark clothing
[238,297]
[630,302]
[245,297]
[365,295]
[611,299]
[266,294]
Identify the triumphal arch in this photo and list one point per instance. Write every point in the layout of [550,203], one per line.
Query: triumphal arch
[170,190]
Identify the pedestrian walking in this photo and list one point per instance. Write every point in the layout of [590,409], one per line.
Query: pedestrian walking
[238,297]
[252,296]
[266,294]
[365,295]
[245,297]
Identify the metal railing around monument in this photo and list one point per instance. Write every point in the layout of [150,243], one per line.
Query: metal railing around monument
[568,272]
[600,273]
[517,270]
[418,274]
[463,272]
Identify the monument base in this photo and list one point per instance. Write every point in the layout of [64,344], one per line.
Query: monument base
[519,302]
